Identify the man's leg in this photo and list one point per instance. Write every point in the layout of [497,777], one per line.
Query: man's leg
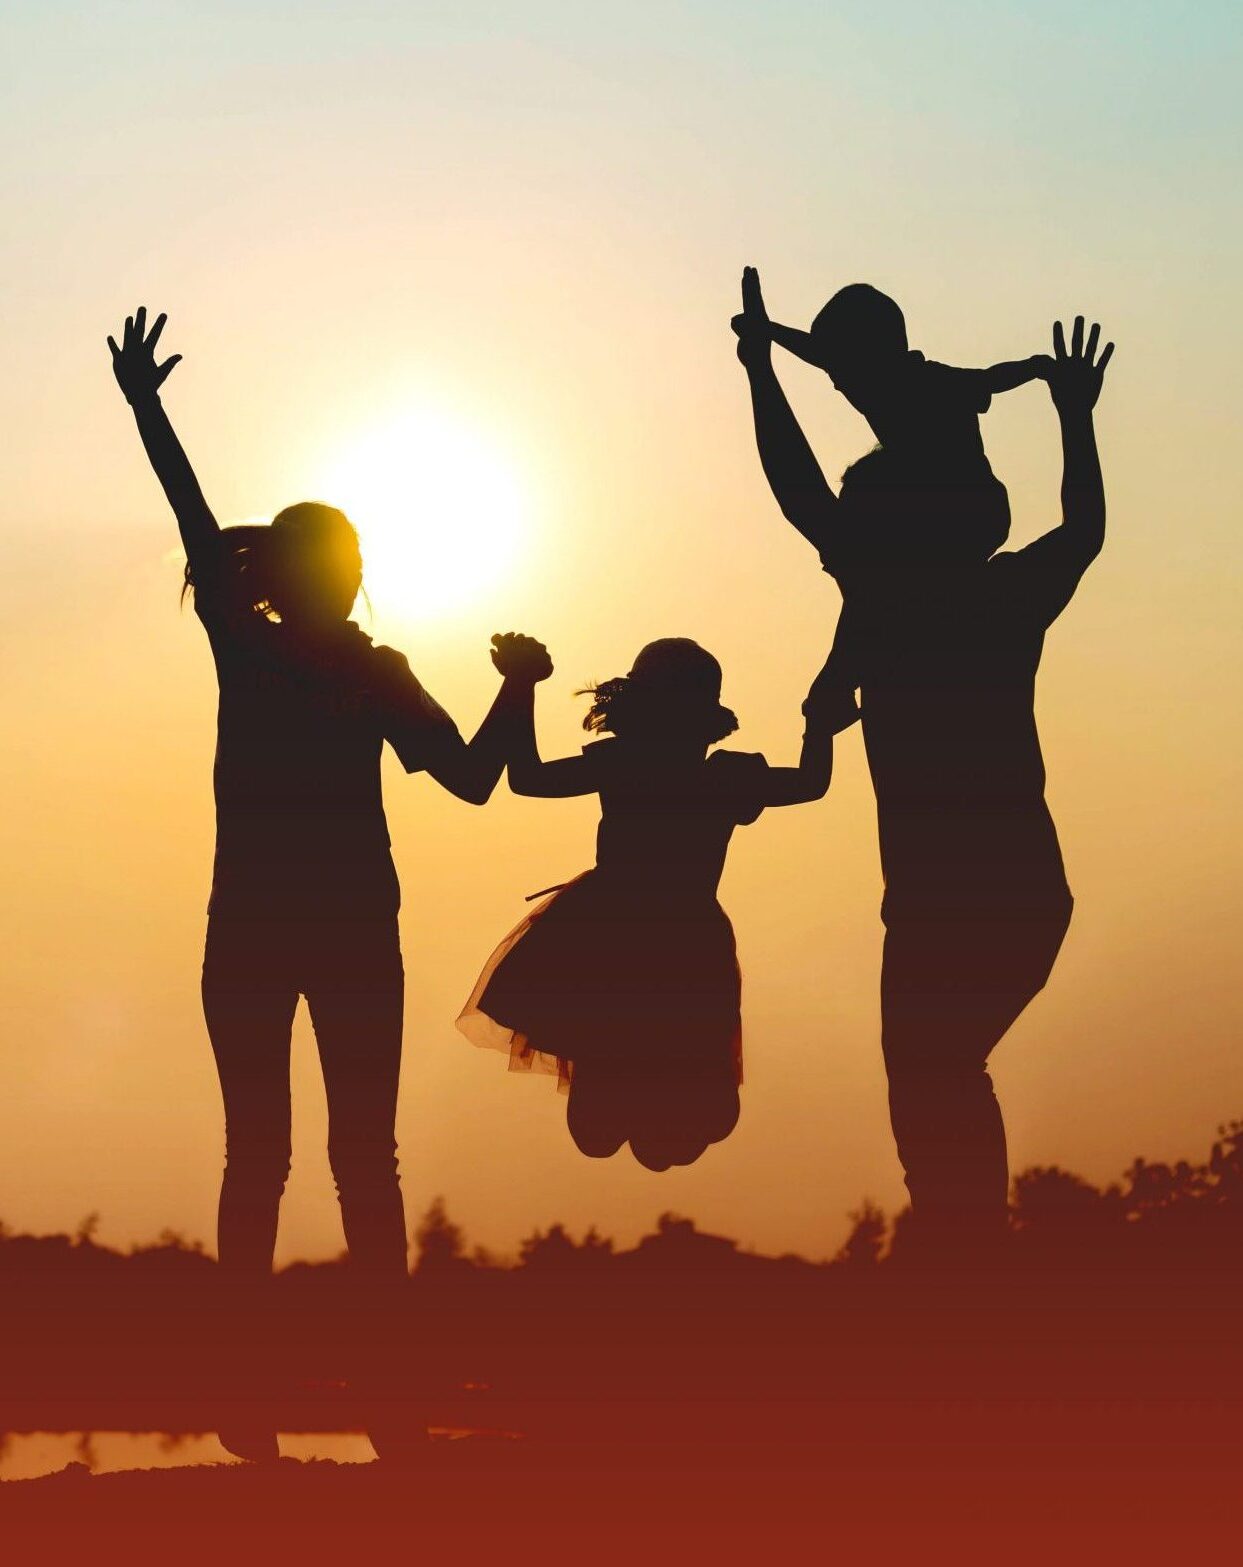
[950,991]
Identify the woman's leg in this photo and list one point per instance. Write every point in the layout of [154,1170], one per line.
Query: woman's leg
[356,994]
[249,1000]
[356,991]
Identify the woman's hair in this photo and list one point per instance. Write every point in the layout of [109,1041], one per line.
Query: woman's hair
[673,687]
[244,555]
[261,555]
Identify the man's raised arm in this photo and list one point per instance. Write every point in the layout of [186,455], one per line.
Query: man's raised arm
[794,476]
[1054,564]
[1075,384]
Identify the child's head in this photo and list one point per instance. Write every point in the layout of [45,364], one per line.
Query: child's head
[891,517]
[673,691]
[859,337]
[306,567]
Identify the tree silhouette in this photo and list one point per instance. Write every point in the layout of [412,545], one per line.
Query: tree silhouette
[866,1241]
[440,1242]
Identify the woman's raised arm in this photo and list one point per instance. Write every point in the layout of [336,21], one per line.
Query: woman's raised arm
[140,378]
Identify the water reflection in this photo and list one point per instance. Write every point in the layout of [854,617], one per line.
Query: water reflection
[24,1455]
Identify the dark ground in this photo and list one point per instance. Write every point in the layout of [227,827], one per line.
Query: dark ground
[681,1402]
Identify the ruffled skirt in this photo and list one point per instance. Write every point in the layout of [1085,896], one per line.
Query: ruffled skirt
[630,995]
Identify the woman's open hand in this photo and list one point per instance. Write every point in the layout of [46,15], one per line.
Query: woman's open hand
[133,363]
[521,658]
[1075,378]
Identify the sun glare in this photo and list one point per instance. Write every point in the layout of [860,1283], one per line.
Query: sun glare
[440,512]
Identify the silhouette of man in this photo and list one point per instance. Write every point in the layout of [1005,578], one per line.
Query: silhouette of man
[944,648]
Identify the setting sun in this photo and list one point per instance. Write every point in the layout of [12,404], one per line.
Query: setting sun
[440,510]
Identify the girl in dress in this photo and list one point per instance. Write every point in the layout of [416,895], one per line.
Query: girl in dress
[625,982]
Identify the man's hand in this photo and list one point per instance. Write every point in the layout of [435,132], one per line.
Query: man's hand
[133,364]
[1075,378]
[830,704]
[755,340]
[521,659]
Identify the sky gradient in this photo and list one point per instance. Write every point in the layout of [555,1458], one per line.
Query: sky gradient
[529,221]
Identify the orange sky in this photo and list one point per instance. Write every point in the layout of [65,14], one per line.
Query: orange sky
[534,228]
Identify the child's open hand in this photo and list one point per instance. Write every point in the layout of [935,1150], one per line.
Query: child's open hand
[521,658]
[752,327]
[1075,378]
[134,364]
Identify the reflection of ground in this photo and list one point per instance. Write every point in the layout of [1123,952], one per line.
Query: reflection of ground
[1000,1503]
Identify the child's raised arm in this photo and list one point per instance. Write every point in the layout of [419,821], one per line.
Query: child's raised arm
[140,378]
[1017,372]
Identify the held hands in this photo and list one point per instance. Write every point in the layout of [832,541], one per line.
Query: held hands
[133,364]
[521,659]
[1075,378]
[752,326]
[830,706]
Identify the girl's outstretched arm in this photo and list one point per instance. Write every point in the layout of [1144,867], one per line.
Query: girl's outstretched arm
[829,709]
[528,774]
[140,378]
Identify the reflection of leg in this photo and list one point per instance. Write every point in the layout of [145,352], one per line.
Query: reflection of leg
[949,993]
[249,1016]
[356,1008]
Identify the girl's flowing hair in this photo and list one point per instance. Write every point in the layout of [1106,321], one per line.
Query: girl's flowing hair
[674,688]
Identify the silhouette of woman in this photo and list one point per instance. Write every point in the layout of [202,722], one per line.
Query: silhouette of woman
[625,982]
[304,894]
[945,647]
